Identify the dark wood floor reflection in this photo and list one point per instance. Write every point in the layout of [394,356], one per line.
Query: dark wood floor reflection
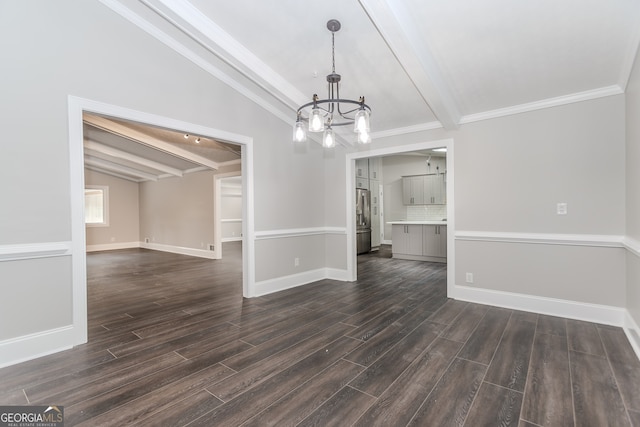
[172,342]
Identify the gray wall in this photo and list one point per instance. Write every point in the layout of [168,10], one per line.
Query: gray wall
[509,174]
[55,49]
[124,215]
[633,192]
[178,211]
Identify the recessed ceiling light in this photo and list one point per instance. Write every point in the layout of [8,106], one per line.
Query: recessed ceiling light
[186,136]
[197,140]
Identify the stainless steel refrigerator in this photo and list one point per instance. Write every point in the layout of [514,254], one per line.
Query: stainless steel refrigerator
[363,220]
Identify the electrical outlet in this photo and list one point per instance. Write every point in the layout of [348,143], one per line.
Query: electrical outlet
[146,240]
[296,262]
[561,208]
[212,247]
[469,277]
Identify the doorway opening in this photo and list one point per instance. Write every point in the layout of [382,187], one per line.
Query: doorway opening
[79,107]
[352,183]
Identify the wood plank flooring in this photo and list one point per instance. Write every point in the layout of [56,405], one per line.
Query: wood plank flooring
[172,342]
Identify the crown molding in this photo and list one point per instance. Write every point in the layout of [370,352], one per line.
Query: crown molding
[544,103]
[407,129]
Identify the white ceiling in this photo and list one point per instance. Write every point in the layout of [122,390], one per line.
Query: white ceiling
[421,64]
[138,152]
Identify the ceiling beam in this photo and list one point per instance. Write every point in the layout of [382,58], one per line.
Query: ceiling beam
[398,28]
[123,155]
[200,28]
[92,161]
[112,173]
[139,137]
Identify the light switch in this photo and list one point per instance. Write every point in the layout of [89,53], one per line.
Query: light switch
[562,208]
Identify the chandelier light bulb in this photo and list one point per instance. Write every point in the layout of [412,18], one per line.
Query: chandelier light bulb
[316,124]
[299,134]
[364,137]
[361,121]
[328,140]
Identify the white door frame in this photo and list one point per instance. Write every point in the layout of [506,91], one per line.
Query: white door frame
[76,106]
[352,273]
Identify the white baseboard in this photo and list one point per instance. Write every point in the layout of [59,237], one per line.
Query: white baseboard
[604,314]
[270,286]
[112,246]
[27,347]
[202,253]
[632,331]
[336,274]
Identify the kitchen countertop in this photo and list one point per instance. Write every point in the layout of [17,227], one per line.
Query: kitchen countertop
[417,222]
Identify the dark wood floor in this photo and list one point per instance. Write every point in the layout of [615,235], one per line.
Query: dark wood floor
[172,342]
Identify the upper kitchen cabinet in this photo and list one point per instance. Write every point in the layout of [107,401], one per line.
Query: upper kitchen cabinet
[362,168]
[435,189]
[367,170]
[362,173]
[424,189]
[375,166]
[413,190]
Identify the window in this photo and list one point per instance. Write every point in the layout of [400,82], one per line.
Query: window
[96,206]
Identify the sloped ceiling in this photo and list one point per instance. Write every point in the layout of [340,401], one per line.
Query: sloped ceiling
[421,64]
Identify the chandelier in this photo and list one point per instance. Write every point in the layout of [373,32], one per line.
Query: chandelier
[321,115]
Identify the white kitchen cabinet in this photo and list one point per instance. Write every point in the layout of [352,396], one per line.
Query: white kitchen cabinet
[435,190]
[374,185]
[407,240]
[434,244]
[362,168]
[424,189]
[362,183]
[420,242]
[413,190]
[375,166]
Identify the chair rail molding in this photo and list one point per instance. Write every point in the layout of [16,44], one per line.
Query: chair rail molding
[34,250]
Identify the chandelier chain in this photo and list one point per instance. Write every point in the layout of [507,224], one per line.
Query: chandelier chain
[333,52]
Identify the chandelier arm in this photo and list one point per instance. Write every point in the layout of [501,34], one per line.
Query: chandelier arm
[336,101]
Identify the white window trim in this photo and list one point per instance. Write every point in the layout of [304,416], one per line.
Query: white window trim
[105,205]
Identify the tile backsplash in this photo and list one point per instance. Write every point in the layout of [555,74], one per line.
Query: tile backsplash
[426,212]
